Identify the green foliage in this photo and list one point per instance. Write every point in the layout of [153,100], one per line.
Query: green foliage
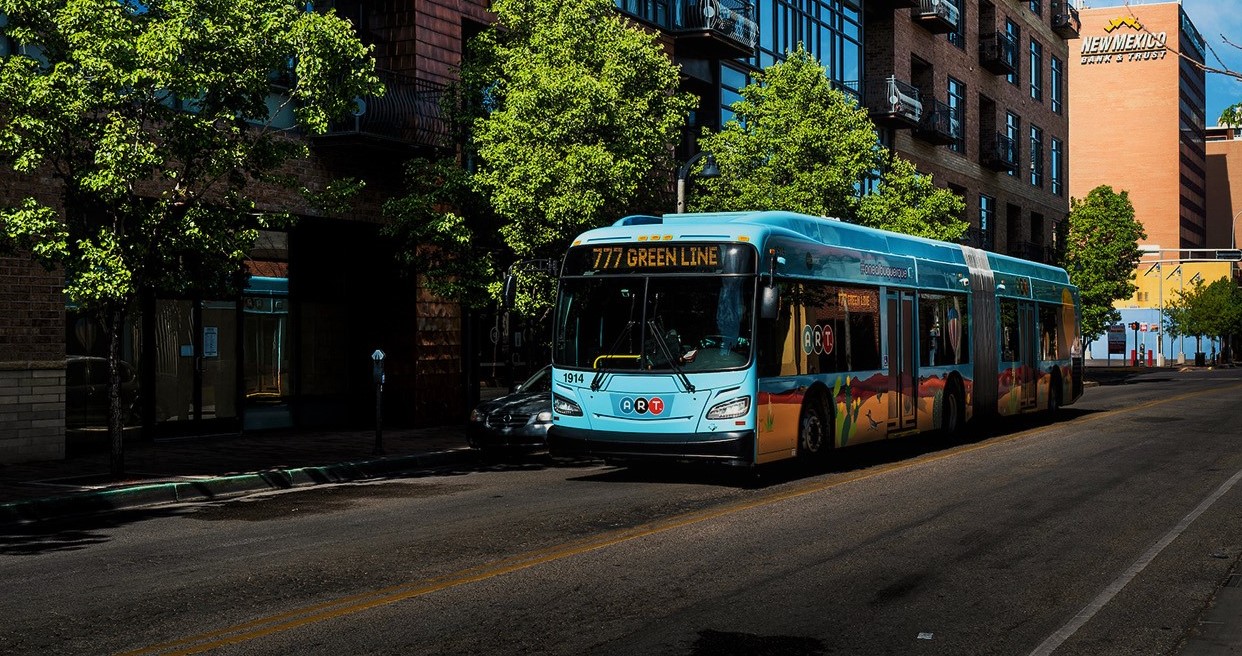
[584,112]
[798,144]
[906,201]
[795,144]
[154,121]
[1101,253]
[576,111]
[433,236]
[1214,310]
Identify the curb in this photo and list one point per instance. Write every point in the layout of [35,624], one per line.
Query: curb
[211,489]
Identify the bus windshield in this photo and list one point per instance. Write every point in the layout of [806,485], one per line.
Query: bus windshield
[682,322]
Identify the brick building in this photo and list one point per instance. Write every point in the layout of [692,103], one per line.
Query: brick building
[294,349]
[974,92]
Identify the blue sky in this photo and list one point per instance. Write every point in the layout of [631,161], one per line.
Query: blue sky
[1218,20]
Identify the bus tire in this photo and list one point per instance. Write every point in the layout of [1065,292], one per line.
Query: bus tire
[1054,395]
[952,411]
[814,431]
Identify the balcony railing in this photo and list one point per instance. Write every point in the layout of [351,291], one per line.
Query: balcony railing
[1000,154]
[720,28]
[1031,251]
[894,103]
[1065,20]
[976,238]
[998,53]
[408,114]
[937,16]
[939,124]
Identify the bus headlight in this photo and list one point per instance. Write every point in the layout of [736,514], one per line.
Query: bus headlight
[730,409]
[565,407]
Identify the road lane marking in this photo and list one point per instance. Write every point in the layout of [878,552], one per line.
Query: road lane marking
[360,602]
[1061,635]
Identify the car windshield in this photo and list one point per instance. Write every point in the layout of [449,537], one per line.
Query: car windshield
[655,323]
[541,381]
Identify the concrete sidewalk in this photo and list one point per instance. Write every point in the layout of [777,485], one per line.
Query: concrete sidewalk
[167,471]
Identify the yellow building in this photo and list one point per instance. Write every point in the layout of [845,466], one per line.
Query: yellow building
[1160,277]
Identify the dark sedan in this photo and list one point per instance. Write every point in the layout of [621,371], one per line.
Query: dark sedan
[518,420]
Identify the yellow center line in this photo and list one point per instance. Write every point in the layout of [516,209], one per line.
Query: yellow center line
[357,603]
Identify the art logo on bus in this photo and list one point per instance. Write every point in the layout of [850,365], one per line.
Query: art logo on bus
[641,406]
[817,339]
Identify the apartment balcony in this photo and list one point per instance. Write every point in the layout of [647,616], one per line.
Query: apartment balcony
[999,154]
[976,238]
[939,124]
[936,16]
[893,4]
[407,116]
[1065,20]
[998,53]
[715,29]
[893,103]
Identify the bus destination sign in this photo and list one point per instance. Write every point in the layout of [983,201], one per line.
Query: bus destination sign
[653,257]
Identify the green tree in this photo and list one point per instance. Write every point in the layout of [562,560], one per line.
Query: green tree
[1101,254]
[583,110]
[154,121]
[908,202]
[1214,310]
[798,144]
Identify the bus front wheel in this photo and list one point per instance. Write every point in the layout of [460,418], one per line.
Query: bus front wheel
[814,436]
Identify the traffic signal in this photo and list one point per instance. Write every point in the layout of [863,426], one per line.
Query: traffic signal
[1134,325]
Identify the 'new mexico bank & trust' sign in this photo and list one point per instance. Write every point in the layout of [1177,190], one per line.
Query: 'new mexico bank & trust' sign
[1124,46]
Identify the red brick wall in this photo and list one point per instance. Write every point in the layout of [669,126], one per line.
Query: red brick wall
[893,38]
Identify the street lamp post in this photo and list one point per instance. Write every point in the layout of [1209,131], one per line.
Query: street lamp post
[710,170]
[1152,248]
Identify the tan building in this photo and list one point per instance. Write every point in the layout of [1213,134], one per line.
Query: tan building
[1224,187]
[1137,116]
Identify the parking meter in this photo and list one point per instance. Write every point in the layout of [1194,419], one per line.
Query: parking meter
[377,373]
[377,367]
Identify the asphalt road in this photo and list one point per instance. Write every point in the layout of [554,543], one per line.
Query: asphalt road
[1106,531]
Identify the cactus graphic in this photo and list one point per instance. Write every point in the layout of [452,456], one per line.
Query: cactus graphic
[937,404]
[847,410]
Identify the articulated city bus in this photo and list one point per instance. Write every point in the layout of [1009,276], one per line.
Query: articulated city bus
[747,338]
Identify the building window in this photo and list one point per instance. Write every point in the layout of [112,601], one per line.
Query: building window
[1037,65]
[958,35]
[1015,33]
[1057,164]
[652,11]
[1057,79]
[987,214]
[829,29]
[1034,5]
[1013,128]
[1037,156]
[957,110]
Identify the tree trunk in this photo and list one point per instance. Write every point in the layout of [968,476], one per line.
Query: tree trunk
[116,425]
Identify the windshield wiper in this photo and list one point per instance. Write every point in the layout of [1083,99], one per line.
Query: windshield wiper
[668,355]
[600,373]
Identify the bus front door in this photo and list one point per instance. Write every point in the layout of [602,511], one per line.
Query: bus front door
[902,390]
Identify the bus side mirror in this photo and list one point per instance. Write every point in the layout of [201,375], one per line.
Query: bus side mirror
[510,291]
[769,302]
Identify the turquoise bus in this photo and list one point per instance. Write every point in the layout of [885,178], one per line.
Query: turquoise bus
[748,338]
